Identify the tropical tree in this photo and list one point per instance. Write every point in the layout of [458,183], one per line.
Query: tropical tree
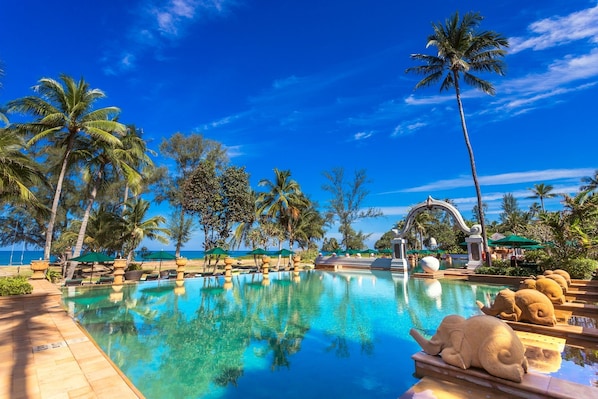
[282,201]
[542,191]
[62,114]
[102,166]
[18,172]
[347,202]
[135,225]
[460,51]
[590,182]
[187,152]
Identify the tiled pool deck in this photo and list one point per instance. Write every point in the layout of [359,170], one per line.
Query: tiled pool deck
[44,353]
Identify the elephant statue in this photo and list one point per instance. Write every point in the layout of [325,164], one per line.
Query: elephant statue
[525,305]
[560,280]
[480,341]
[547,286]
[560,272]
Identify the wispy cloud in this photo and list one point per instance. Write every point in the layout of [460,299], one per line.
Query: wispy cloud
[559,30]
[531,177]
[159,24]
[405,128]
[362,136]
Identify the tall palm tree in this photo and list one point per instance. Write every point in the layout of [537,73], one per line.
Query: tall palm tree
[102,166]
[283,200]
[136,226]
[462,50]
[590,182]
[542,191]
[62,113]
[17,171]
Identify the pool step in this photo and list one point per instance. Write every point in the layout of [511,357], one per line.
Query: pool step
[442,378]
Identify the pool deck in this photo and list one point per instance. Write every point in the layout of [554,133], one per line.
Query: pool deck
[45,354]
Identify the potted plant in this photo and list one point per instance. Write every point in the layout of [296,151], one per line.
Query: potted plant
[134,272]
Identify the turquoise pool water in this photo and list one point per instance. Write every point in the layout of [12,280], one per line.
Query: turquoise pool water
[335,335]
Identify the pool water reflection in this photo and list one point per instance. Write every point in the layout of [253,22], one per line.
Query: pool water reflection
[327,335]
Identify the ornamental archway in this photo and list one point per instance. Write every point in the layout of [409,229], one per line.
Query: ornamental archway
[474,241]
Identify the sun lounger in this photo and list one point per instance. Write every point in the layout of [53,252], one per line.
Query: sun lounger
[73,282]
[105,280]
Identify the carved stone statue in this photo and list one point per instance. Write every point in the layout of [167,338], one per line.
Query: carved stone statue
[547,286]
[559,272]
[525,305]
[560,280]
[480,341]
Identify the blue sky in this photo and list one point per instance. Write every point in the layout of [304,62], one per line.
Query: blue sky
[312,85]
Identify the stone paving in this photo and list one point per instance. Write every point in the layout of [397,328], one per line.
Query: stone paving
[45,354]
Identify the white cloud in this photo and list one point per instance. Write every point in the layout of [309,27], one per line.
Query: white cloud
[559,30]
[407,128]
[532,177]
[362,136]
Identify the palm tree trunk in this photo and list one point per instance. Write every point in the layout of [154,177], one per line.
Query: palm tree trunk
[82,230]
[55,202]
[473,169]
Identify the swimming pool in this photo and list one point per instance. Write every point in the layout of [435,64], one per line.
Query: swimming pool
[340,335]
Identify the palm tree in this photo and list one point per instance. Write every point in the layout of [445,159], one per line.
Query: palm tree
[542,191]
[461,50]
[101,167]
[591,182]
[135,227]
[17,171]
[283,200]
[62,114]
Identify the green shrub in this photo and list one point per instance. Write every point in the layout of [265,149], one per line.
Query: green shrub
[495,271]
[581,268]
[134,266]
[53,276]
[15,286]
[500,263]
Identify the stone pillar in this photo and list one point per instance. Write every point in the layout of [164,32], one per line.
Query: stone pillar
[116,295]
[119,271]
[266,270]
[296,260]
[474,251]
[228,275]
[180,268]
[39,268]
[179,289]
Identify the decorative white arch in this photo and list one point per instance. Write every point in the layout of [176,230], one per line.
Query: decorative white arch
[474,241]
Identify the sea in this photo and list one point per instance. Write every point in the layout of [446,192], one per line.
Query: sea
[17,258]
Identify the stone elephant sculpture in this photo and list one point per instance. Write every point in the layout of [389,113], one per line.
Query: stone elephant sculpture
[560,272]
[547,286]
[480,341]
[560,280]
[525,305]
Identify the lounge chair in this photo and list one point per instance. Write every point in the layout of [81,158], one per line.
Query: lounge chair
[73,282]
[105,280]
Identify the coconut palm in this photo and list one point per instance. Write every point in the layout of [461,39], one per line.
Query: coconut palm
[283,200]
[590,182]
[63,112]
[542,191]
[135,227]
[17,171]
[462,50]
[100,168]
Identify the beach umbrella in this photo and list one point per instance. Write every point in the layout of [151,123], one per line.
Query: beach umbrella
[258,251]
[385,251]
[514,241]
[284,252]
[160,255]
[216,251]
[92,257]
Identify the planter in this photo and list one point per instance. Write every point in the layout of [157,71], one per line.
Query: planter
[39,268]
[134,275]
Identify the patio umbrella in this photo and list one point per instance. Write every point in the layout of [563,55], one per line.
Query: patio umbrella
[514,241]
[92,257]
[160,255]
[216,251]
[284,252]
[369,251]
[385,251]
[256,252]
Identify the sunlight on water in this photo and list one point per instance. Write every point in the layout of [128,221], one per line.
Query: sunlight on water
[328,335]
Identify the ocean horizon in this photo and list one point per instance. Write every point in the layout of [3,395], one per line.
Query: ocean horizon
[20,258]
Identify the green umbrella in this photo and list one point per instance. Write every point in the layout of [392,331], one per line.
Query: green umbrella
[284,252]
[369,251]
[258,251]
[385,251]
[514,241]
[216,251]
[92,257]
[161,255]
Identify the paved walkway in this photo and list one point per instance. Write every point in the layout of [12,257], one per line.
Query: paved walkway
[44,353]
